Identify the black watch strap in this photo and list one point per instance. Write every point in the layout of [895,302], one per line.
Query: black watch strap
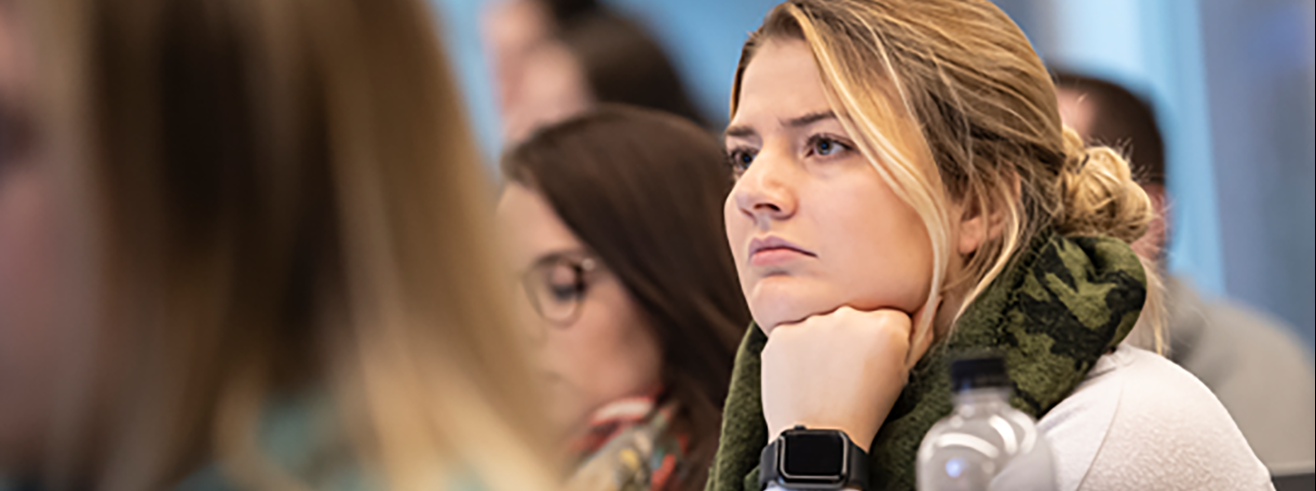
[856,467]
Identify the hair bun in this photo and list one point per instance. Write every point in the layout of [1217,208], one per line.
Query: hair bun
[1099,194]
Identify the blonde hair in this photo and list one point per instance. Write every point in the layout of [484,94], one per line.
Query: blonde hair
[956,84]
[276,197]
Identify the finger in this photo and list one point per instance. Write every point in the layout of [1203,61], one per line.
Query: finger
[767,330]
[889,317]
[770,330]
[844,309]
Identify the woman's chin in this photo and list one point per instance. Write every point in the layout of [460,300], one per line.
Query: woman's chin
[569,420]
[787,302]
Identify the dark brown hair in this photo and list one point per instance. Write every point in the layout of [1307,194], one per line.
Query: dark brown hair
[644,191]
[623,64]
[565,10]
[1121,120]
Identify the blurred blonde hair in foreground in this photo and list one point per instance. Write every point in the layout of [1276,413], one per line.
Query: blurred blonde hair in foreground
[274,197]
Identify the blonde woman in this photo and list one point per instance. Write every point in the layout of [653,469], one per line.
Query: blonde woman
[241,247]
[906,190]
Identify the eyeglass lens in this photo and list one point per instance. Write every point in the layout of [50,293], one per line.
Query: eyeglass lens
[556,289]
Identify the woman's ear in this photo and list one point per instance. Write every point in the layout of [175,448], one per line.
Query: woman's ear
[983,219]
[973,227]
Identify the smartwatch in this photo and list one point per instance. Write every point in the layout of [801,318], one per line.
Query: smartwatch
[807,459]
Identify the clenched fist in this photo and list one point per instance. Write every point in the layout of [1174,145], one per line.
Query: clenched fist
[841,370]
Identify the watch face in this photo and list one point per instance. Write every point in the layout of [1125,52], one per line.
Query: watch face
[813,456]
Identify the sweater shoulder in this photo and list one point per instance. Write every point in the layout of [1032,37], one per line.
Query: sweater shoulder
[1140,421]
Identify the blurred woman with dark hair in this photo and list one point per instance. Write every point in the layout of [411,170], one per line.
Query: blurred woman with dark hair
[556,58]
[616,231]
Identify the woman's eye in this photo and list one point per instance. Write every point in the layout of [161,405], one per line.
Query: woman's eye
[563,292]
[824,146]
[8,140]
[15,139]
[562,284]
[740,159]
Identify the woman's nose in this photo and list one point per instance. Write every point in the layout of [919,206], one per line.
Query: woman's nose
[764,191]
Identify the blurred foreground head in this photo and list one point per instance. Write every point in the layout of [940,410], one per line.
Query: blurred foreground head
[214,210]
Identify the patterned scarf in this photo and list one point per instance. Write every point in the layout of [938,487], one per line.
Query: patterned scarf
[629,447]
[1064,303]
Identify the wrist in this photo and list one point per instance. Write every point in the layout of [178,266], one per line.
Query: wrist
[814,459]
[861,435]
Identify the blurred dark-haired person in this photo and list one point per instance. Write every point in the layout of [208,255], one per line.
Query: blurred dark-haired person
[555,58]
[614,226]
[1250,360]
[240,249]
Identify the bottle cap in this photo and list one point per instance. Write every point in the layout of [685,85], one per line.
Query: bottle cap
[978,372]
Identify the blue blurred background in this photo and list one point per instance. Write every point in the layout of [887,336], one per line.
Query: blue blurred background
[1233,83]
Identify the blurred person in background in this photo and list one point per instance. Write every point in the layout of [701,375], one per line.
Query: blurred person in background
[906,191]
[613,224]
[555,58]
[240,249]
[1250,360]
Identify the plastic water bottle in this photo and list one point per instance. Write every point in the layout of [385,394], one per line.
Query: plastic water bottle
[985,444]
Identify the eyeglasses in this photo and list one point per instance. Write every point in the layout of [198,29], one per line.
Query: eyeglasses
[556,285]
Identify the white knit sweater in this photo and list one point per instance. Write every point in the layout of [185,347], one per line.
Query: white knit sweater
[1141,422]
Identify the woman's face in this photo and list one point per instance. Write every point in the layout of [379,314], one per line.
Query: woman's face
[812,225]
[539,80]
[594,345]
[27,262]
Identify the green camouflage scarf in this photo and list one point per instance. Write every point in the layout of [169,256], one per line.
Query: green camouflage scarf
[1065,302]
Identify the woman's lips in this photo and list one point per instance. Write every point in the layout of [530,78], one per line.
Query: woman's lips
[772,257]
[771,250]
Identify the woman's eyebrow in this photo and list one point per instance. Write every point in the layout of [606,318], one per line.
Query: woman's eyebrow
[809,119]
[739,132]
